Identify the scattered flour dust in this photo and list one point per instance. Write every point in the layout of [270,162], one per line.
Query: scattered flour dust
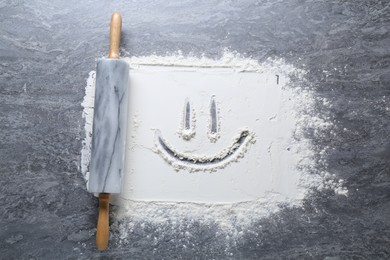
[87,104]
[231,219]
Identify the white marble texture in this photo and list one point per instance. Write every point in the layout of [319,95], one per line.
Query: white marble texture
[109,126]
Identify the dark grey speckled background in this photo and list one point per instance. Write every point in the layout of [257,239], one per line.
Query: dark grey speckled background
[47,49]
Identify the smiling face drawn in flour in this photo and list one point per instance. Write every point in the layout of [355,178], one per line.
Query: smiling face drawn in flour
[208,135]
[206,162]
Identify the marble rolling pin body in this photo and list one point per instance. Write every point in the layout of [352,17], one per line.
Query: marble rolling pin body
[109,125]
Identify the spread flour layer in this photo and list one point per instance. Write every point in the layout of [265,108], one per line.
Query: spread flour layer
[225,132]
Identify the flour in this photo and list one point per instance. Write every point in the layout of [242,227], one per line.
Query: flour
[231,218]
[228,60]
[87,104]
[232,60]
[203,162]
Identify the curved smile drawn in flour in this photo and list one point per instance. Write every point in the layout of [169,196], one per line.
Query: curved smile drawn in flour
[198,162]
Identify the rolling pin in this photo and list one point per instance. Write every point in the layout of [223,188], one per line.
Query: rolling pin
[109,129]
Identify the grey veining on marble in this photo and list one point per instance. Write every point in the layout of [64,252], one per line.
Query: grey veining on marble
[47,49]
[109,126]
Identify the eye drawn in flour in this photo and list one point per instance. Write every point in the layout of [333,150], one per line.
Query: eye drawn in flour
[187,127]
[201,162]
[214,126]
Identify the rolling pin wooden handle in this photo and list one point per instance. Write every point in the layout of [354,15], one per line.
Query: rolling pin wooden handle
[115,35]
[102,232]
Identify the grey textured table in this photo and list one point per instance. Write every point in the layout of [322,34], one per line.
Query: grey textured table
[47,49]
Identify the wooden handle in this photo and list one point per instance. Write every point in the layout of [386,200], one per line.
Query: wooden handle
[102,232]
[115,35]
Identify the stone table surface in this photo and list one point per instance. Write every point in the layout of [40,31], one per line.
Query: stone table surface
[47,49]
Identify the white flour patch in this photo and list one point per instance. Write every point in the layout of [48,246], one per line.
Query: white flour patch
[296,110]
[87,104]
[178,220]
